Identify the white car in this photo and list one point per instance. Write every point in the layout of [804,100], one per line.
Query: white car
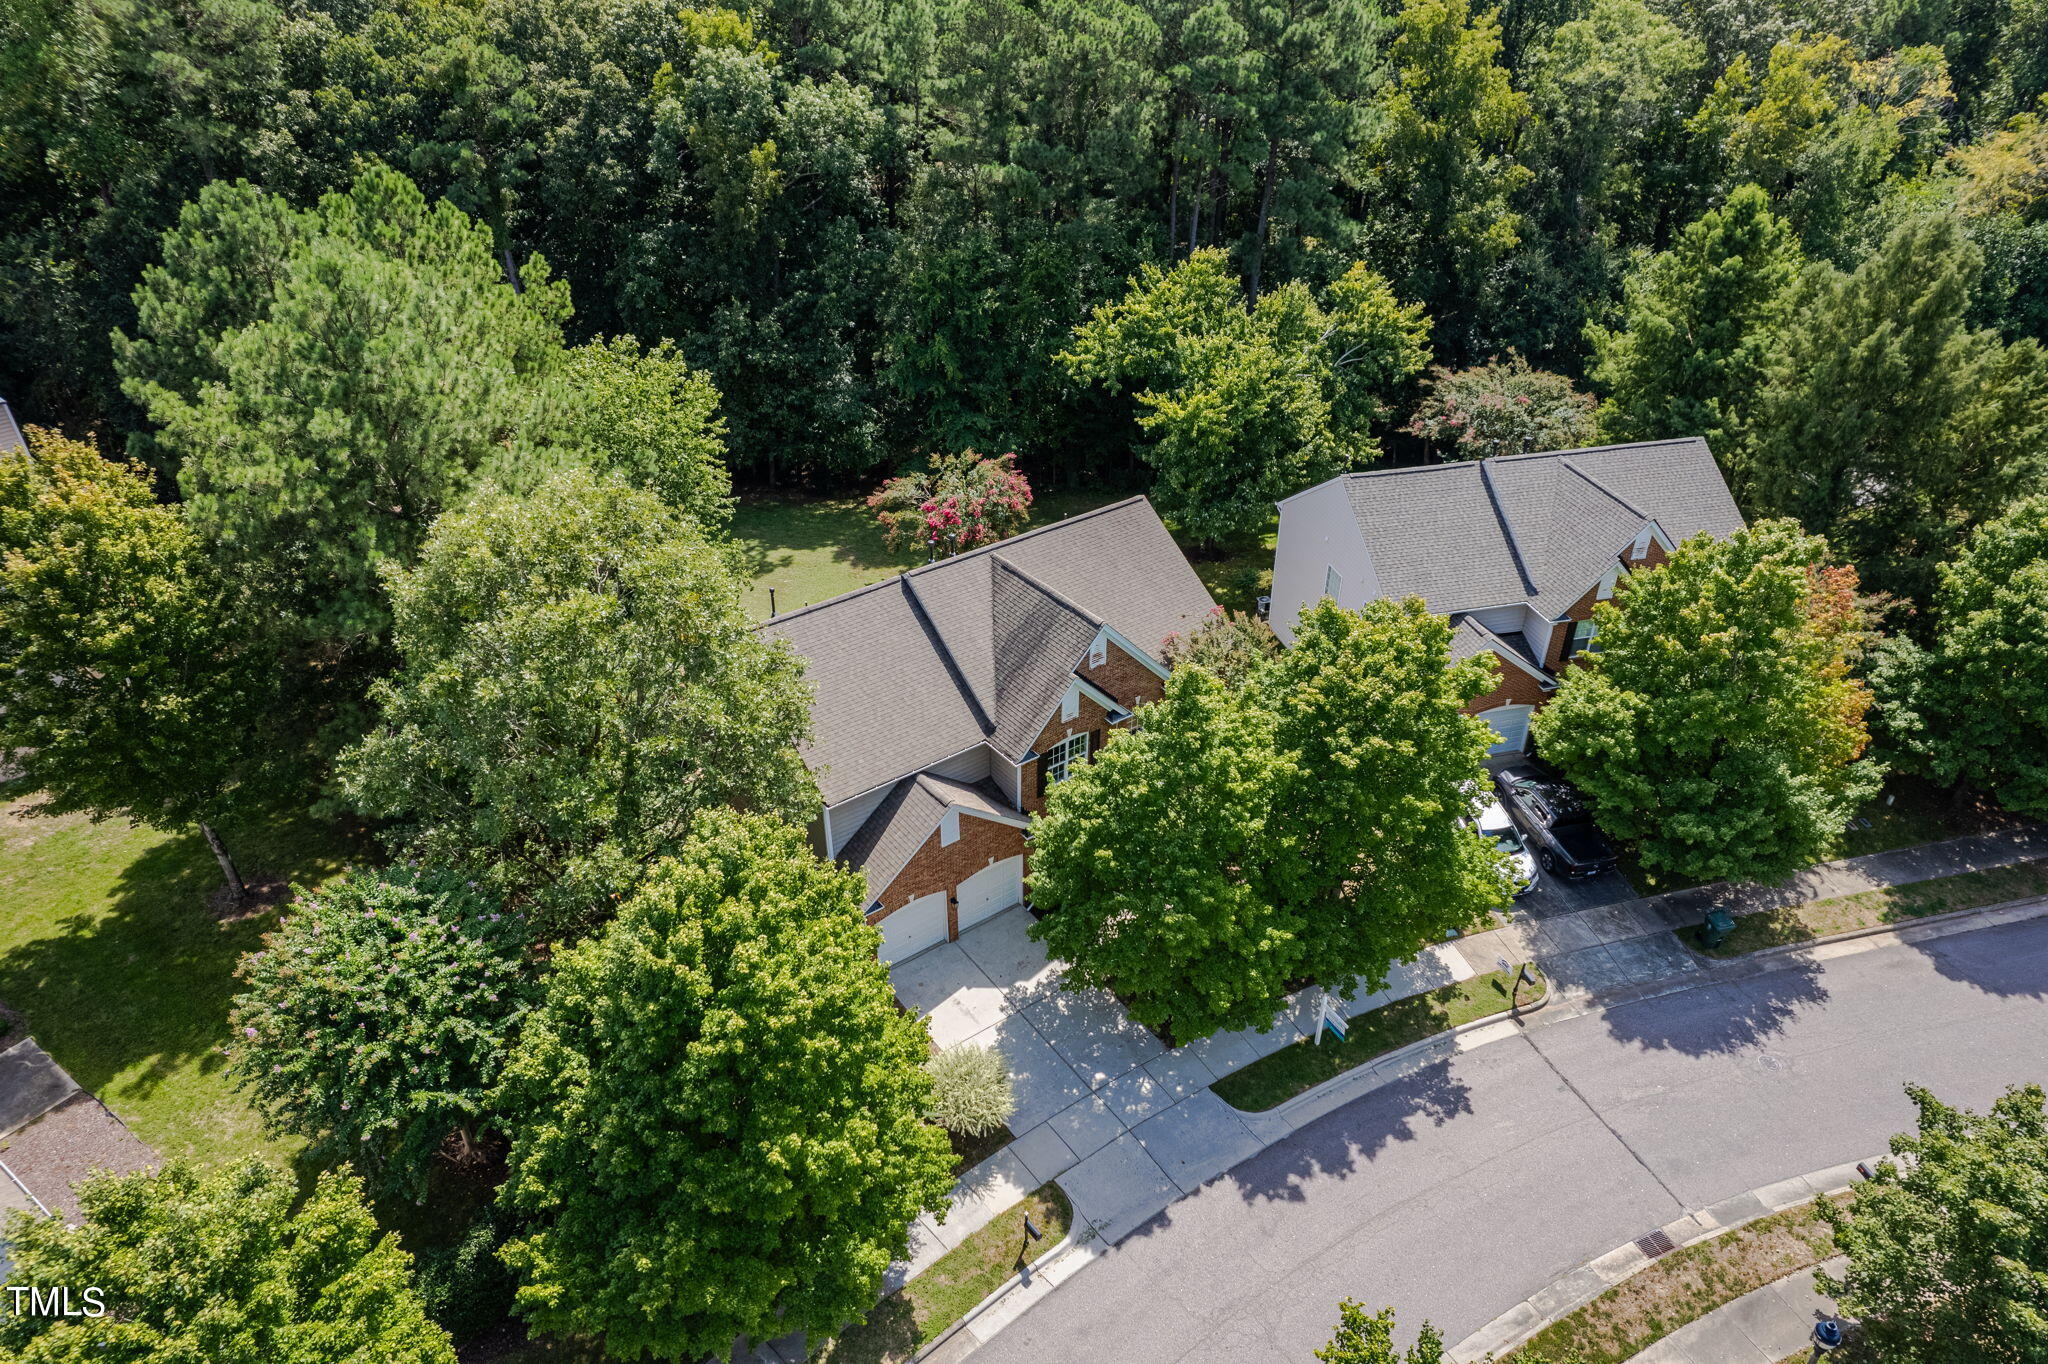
[1493,821]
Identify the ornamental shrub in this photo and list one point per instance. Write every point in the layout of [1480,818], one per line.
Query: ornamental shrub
[971,1090]
[377,1018]
[1231,644]
[955,503]
[1502,408]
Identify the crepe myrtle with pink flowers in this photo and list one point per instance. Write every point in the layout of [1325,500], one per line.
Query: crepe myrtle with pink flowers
[377,1017]
[954,503]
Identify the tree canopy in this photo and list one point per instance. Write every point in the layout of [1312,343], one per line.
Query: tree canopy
[718,1109]
[1713,723]
[229,1267]
[1948,1244]
[577,685]
[1302,825]
[128,681]
[1973,705]
[377,1016]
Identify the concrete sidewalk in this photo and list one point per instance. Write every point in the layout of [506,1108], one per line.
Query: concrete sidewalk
[1595,951]
[1762,1327]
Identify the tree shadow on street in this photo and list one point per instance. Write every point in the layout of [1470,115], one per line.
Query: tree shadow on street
[1343,1142]
[1722,1017]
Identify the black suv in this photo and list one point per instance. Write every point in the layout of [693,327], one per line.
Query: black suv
[1554,815]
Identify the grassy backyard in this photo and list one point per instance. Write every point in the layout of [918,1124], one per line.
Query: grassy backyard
[914,1315]
[810,548]
[1296,1069]
[112,960]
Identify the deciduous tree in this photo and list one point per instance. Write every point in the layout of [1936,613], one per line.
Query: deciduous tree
[230,1267]
[129,683]
[1247,404]
[954,503]
[579,683]
[640,412]
[1503,407]
[1973,705]
[719,1111]
[1151,866]
[377,1016]
[1377,758]
[1233,645]
[1363,1339]
[1714,724]
[1948,1245]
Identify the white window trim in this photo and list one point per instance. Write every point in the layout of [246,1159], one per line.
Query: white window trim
[1333,583]
[1061,758]
[1070,704]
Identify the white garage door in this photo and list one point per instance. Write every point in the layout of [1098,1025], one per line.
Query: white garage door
[1511,725]
[990,891]
[913,928]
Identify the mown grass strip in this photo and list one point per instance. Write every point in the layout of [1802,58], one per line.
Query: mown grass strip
[1684,1286]
[917,1313]
[1272,1080]
[1876,908]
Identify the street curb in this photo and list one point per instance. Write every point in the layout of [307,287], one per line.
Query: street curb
[1309,1098]
[1001,1291]
[1515,1327]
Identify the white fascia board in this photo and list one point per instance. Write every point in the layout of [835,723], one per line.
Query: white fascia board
[976,812]
[1109,633]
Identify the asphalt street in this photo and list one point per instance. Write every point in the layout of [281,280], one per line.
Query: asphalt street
[1474,1183]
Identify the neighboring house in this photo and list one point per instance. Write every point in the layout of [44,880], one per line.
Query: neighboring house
[52,1134]
[10,433]
[1514,550]
[947,699]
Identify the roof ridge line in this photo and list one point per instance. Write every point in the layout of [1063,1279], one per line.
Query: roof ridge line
[988,549]
[1083,612]
[1507,527]
[1602,488]
[945,653]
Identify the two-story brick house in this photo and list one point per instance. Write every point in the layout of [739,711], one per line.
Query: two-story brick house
[1515,550]
[946,700]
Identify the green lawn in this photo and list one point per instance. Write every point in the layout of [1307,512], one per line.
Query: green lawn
[111,957]
[1296,1069]
[914,1315]
[810,548]
[1875,908]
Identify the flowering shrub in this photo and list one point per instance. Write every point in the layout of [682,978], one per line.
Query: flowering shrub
[956,502]
[377,1017]
[1501,408]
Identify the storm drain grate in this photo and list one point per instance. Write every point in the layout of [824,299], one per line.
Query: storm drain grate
[1655,1244]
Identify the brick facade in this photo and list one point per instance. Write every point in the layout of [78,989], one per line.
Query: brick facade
[1092,717]
[936,866]
[1125,678]
[1517,688]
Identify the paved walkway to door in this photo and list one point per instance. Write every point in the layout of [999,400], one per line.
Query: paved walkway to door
[1124,1123]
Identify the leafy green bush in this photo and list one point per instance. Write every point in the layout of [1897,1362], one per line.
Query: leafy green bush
[465,1286]
[377,1017]
[971,1090]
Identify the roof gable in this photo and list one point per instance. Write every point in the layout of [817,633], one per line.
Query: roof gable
[978,648]
[1539,528]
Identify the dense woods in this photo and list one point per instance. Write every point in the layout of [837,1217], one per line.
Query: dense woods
[875,225]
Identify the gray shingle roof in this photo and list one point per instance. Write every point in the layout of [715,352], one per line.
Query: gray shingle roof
[10,433]
[978,648]
[1461,536]
[905,819]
